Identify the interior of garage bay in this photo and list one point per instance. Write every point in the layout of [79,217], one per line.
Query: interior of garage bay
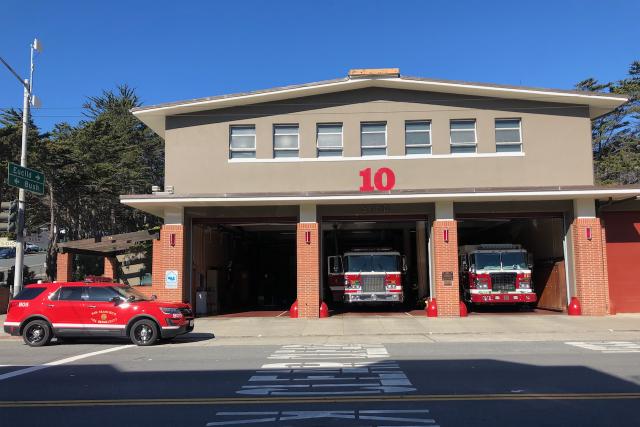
[541,235]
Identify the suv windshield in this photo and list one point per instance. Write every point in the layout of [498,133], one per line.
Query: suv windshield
[500,260]
[130,294]
[374,263]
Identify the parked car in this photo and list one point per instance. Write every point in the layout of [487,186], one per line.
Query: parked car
[84,309]
[6,253]
[30,248]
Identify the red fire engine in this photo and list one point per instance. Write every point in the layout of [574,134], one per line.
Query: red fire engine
[367,276]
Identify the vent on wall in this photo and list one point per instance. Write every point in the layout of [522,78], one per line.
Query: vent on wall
[373,72]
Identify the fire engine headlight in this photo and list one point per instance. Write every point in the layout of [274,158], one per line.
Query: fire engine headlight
[170,311]
[525,284]
[346,282]
[482,284]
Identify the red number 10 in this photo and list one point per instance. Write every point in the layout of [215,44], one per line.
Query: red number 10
[384,180]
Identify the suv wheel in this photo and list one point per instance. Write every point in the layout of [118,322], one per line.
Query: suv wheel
[144,332]
[37,333]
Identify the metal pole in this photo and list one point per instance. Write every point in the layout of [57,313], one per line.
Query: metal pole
[17,277]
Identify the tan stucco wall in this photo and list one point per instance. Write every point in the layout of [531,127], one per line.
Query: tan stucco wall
[556,138]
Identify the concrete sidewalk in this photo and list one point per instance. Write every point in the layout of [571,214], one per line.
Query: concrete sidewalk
[407,328]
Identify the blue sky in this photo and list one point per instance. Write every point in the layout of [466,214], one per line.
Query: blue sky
[172,50]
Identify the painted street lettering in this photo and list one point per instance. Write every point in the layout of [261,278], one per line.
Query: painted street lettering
[351,418]
[323,377]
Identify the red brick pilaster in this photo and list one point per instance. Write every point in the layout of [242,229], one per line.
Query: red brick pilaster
[168,254]
[592,287]
[308,257]
[110,267]
[445,260]
[64,267]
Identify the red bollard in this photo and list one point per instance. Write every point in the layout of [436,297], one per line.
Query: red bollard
[324,310]
[574,307]
[463,309]
[432,308]
[293,311]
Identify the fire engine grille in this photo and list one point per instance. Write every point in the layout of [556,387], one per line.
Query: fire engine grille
[503,282]
[373,284]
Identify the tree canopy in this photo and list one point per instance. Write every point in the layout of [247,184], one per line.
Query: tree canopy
[87,168]
[616,136]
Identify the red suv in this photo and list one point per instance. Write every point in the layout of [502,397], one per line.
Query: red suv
[46,310]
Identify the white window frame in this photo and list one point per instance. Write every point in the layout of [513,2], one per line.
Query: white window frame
[362,132]
[519,128]
[332,148]
[473,144]
[239,150]
[429,145]
[275,150]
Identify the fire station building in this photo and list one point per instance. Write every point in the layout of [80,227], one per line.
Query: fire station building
[261,188]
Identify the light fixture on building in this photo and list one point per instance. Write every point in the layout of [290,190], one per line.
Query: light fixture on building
[445,235]
[589,233]
[307,237]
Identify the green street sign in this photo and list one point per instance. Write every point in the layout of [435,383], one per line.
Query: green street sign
[25,178]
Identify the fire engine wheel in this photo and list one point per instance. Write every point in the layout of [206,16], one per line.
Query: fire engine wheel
[144,332]
[37,333]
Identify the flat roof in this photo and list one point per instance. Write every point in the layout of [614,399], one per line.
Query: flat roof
[156,203]
[599,103]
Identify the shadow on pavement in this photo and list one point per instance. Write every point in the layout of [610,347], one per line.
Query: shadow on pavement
[478,392]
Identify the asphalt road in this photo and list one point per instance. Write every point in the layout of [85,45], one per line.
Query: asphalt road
[194,382]
[30,260]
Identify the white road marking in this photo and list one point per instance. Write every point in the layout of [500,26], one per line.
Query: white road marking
[322,377]
[60,362]
[417,417]
[607,347]
[330,351]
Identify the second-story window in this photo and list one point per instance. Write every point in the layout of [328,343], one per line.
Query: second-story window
[242,142]
[329,140]
[463,136]
[417,137]
[285,141]
[373,139]
[508,136]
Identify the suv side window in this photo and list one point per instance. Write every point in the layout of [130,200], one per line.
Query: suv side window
[70,293]
[101,293]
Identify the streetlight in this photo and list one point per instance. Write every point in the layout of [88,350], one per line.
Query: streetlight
[29,99]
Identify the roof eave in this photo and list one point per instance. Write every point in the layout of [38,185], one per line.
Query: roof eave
[154,116]
[156,204]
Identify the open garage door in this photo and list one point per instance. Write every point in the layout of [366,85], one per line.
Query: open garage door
[374,265]
[244,267]
[514,248]
[623,254]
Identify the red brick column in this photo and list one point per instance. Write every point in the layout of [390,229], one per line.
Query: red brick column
[445,259]
[169,257]
[592,287]
[308,257]
[64,267]
[110,269]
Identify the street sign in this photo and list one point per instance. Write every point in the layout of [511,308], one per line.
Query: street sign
[25,178]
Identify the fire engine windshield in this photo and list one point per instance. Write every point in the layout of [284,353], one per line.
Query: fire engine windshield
[487,261]
[361,263]
[514,260]
[500,260]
